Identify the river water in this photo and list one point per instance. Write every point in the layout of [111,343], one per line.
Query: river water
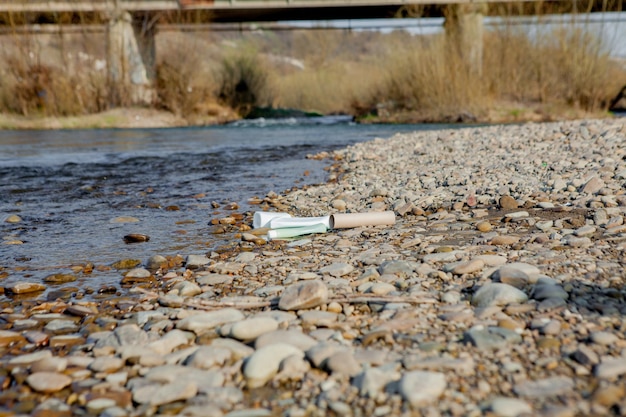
[68,186]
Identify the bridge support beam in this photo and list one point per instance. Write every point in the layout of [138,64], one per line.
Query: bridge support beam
[464,32]
[130,61]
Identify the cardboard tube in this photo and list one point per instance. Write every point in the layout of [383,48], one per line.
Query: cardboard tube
[374,218]
[263,218]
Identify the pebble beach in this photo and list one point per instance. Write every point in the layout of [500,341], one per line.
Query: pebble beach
[499,291]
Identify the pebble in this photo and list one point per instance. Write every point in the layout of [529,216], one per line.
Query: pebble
[156,395]
[510,407]
[252,328]
[548,387]
[610,368]
[48,382]
[498,294]
[603,338]
[303,295]
[421,388]
[263,364]
[492,337]
[202,322]
[337,270]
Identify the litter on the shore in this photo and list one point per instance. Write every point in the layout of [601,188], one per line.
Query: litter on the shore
[282,225]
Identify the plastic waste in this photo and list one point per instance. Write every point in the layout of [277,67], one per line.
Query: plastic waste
[296,231]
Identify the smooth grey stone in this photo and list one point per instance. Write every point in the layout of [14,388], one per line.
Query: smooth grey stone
[250,329]
[401,268]
[337,270]
[200,323]
[492,337]
[156,395]
[498,294]
[371,381]
[603,338]
[214,279]
[196,261]
[207,357]
[291,337]
[421,388]
[542,292]
[548,387]
[343,363]
[166,374]
[610,368]
[510,407]
[263,364]
[551,304]
[128,334]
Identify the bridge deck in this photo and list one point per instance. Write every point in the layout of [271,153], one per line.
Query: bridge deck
[16,6]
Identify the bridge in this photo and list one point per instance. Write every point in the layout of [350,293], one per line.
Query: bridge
[130,43]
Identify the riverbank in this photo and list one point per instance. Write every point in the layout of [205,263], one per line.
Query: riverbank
[499,291]
[137,117]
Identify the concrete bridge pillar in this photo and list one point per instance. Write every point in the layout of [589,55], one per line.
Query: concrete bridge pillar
[130,60]
[464,32]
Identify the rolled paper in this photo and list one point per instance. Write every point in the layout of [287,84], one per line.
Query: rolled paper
[283,222]
[374,218]
[263,218]
[296,231]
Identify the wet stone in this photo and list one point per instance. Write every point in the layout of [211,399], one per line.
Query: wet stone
[59,278]
[24,288]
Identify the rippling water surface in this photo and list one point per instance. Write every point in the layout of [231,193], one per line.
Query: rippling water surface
[67,186]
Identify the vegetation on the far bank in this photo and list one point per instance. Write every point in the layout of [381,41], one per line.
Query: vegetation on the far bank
[396,77]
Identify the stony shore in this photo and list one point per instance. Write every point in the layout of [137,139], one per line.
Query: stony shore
[498,292]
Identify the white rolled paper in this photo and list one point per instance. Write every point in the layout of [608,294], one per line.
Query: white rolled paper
[348,220]
[282,222]
[263,218]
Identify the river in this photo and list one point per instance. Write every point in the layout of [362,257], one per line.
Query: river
[69,186]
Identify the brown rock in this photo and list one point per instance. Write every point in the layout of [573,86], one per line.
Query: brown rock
[609,396]
[483,226]
[508,203]
[504,240]
[7,338]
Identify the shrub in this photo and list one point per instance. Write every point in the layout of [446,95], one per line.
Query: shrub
[243,81]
